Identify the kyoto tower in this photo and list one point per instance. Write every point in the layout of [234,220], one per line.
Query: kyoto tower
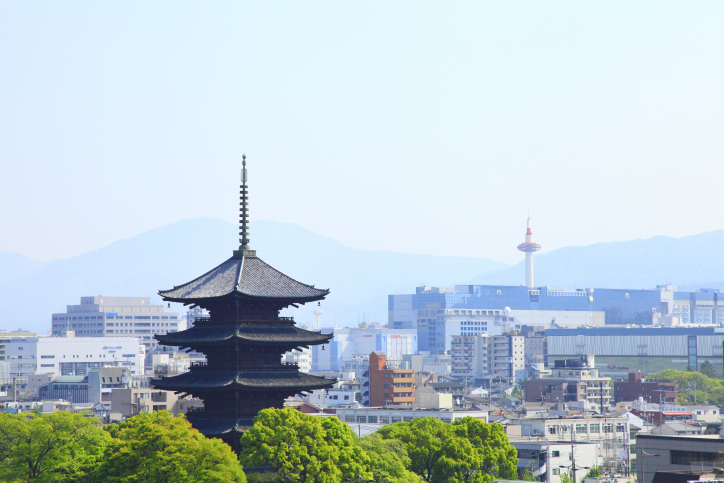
[528,247]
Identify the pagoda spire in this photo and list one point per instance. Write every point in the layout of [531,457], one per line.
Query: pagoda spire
[243,215]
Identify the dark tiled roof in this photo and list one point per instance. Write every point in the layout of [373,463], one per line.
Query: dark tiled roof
[247,275]
[259,335]
[206,379]
[216,426]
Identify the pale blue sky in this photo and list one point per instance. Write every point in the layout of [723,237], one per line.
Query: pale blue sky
[423,127]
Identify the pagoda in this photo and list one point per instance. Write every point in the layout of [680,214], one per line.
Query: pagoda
[243,339]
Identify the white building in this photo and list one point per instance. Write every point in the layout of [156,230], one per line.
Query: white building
[612,435]
[548,461]
[116,317]
[66,356]
[481,355]
[351,343]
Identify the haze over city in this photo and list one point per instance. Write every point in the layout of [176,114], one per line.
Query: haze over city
[411,127]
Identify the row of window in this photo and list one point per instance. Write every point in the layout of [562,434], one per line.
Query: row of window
[582,428]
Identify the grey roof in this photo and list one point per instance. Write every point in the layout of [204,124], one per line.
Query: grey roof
[252,334]
[208,379]
[247,275]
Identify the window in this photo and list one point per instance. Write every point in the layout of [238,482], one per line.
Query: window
[595,428]
[551,430]
[47,357]
[689,457]
[620,428]
[555,471]
[387,394]
[555,454]
[580,428]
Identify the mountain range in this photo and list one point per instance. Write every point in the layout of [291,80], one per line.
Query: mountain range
[360,280]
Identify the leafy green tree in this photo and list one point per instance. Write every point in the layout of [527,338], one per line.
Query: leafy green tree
[467,450]
[159,447]
[708,369]
[53,447]
[594,472]
[389,459]
[304,448]
[517,392]
[527,476]
[566,479]
[708,390]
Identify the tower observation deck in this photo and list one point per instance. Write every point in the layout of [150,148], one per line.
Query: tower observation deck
[528,247]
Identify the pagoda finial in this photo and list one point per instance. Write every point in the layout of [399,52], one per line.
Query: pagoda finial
[243,209]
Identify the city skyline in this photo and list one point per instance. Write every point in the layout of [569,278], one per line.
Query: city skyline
[416,128]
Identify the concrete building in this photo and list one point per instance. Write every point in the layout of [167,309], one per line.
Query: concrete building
[571,381]
[384,385]
[612,435]
[655,452]
[383,416]
[481,355]
[94,387]
[351,343]
[72,356]
[101,316]
[439,312]
[547,462]
[651,390]
[132,401]
[621,350]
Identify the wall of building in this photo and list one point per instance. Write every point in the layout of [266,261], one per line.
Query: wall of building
[72,355]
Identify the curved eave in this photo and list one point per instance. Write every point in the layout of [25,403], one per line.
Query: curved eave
[270,336]
[284,300]
[219,426]
[248,276]
[207,380]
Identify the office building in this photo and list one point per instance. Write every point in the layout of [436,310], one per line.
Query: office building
[571,381]
[438,313]
[101,316]
[352,343]
[651,390]
[72,356]
[475,356]
[620,350]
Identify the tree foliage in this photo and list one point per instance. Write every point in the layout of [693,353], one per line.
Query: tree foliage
[304,448]
[389,459]
[467,450]
[159,447]
[53,447]
[708,369]
[708,390]
[594,472]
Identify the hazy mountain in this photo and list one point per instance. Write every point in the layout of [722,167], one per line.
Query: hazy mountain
[689,262]
[360,280]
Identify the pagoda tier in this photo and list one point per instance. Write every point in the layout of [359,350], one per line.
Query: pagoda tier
[246,279]
[243,340]
[205,334]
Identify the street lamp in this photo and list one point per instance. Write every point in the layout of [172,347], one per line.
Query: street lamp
[643,465]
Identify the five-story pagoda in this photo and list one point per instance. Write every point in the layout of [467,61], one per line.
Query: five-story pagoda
[243,339]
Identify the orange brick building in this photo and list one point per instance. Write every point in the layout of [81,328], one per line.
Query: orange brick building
[390,387]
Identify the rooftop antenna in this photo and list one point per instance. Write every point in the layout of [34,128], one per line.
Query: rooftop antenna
[244,215]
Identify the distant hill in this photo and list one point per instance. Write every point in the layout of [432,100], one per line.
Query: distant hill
[690,262]
[360,280]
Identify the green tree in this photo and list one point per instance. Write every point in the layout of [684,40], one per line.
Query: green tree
[159,447]
[708,369]
[304,448]
[389,459]
[467,450]
[53,447]
[594,472]
[708,390]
